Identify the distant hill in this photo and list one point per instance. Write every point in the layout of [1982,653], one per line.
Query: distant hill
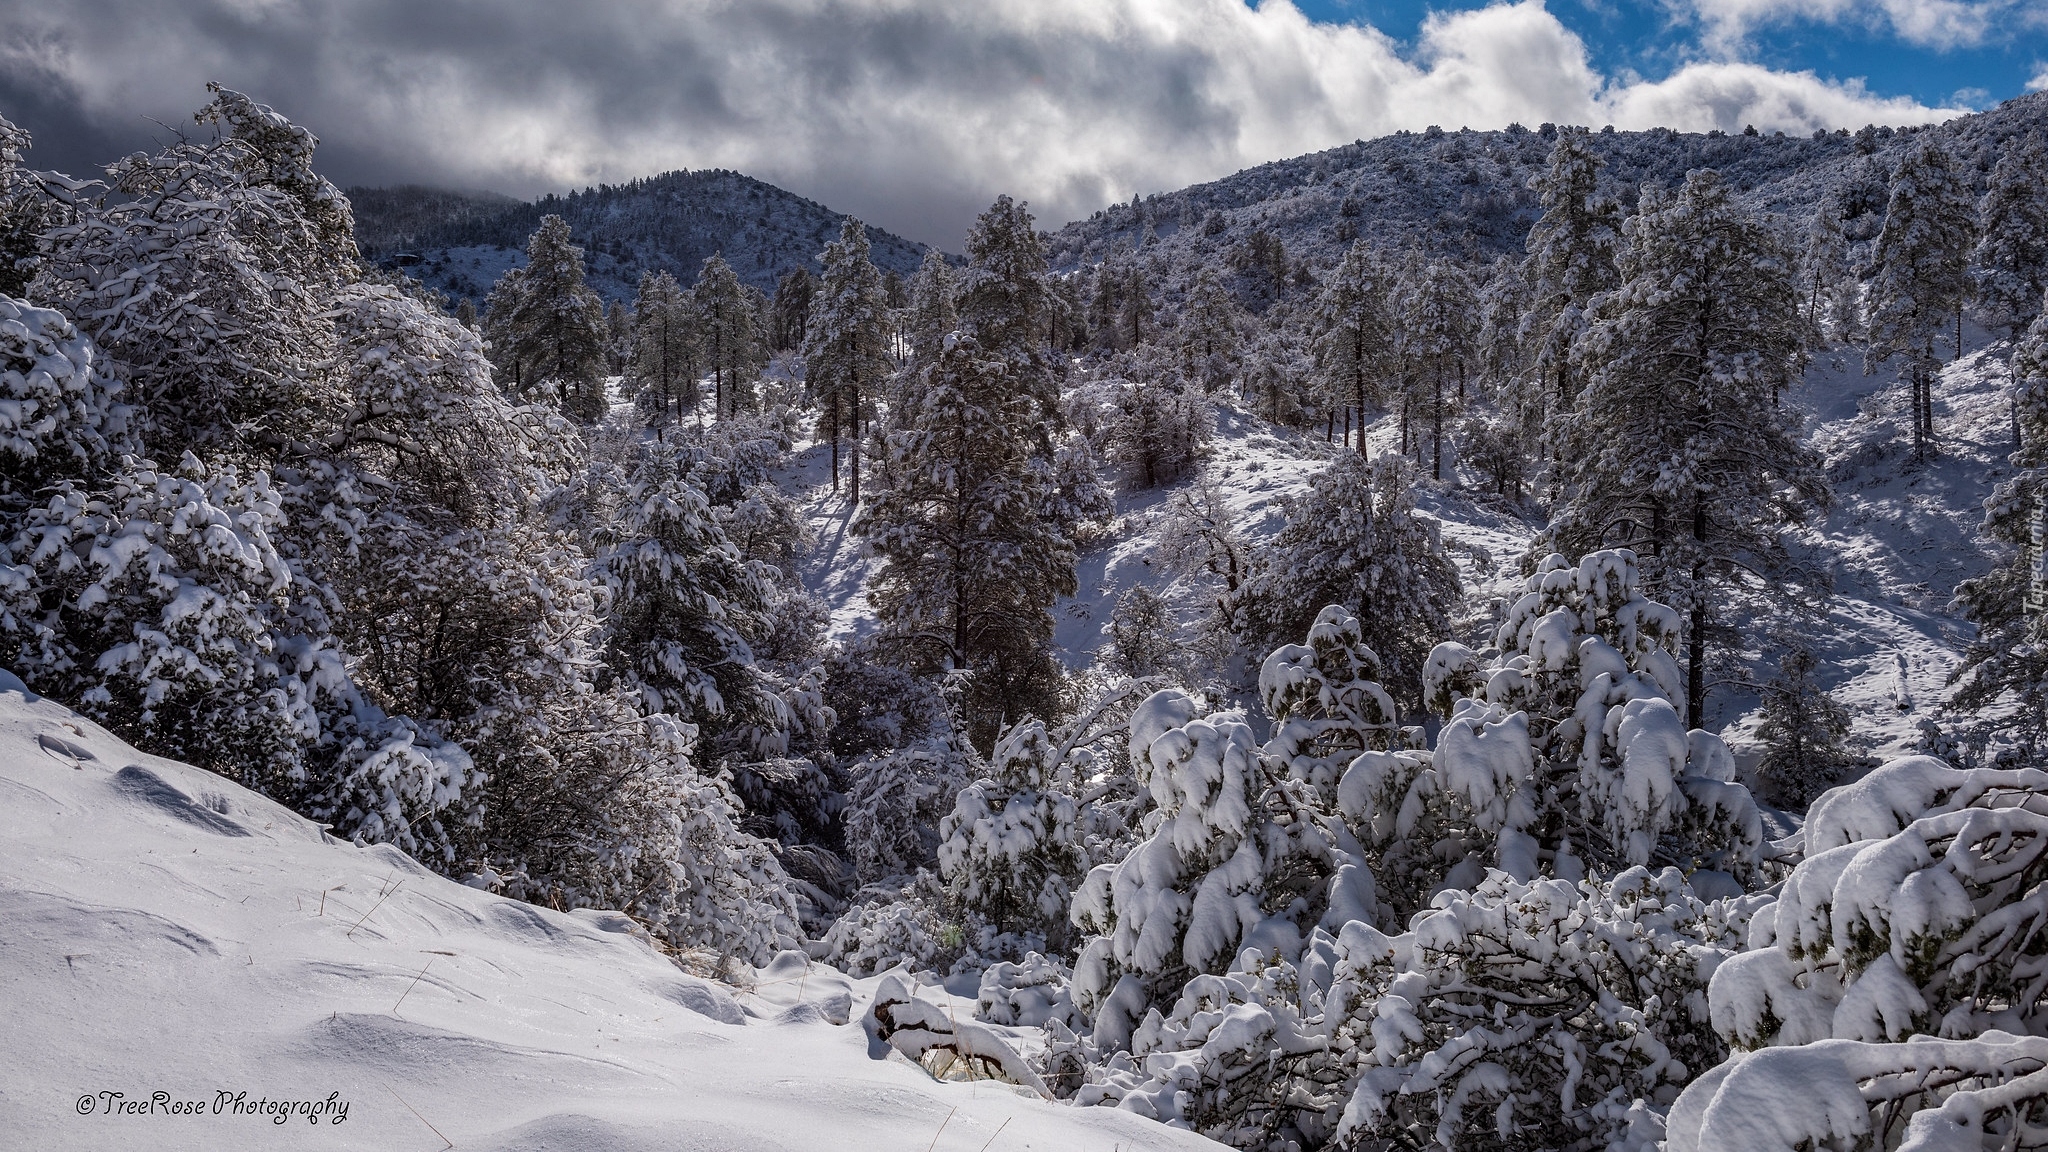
[1466,193]
[461,242]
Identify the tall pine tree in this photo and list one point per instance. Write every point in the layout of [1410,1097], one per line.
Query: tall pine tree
[727,339]
[1921,282]
[548,326]
[664,355]
[1677,449]
[846,343]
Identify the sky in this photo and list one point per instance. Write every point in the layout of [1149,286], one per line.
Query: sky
[914,114]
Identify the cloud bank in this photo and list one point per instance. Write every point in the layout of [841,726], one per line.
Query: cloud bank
[910,113]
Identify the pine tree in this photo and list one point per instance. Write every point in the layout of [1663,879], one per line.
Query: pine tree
[686,605]
[933,314]
[664,357]
[1353,540]
[24,211]
[548,326]
[1356,344]
[1921,281]
[2010,652]
[1436,340]
[972,555]
[1006,303]
[2012,249]
[792,309]
[1678,448]
[1210,334]
[1831,289]
[1570,260]
[726,336]
[846,346]
[1802,732]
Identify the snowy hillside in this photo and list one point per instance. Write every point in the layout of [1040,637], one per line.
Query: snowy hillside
[173,940]
[460,243]
[1465,193]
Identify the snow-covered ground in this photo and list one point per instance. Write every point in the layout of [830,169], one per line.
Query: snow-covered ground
[163,931]
[1898,539]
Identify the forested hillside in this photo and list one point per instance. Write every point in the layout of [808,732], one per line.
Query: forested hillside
[460,243]
[1528,639]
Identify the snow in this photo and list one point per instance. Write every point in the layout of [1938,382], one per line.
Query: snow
[169,931]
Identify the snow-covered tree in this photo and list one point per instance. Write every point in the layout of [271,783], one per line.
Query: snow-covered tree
[1005,303]
[792,309]
[1571,250]
[973,556]
[2011,256]
[2010,651]
[1142,635]
[1209,331]
[61,415]
[1678,448]
[24,212]
[1563,755]
[932,311]
[727,340]
[1920,273]
[664,356]
[1802,731]
[1915,914]
[846,344]
[1011,849]
[1522,1014]
[685,605]
[1355,540]
[547,326]
[1357,335]
[1436,336]
[1832,293]
[1238,858]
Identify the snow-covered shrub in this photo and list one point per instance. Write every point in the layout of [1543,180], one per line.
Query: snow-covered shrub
[1236,856]
[1803,732]
[1917,912]
[1030,993]
[895,803]
[60,413]
[1011,847]
[1354,540]
[898,928]
[1540,1014]
[1562,753]
[1326,703]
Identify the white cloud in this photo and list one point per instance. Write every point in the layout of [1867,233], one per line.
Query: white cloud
[912,113]
[2040,81]
[1728,24]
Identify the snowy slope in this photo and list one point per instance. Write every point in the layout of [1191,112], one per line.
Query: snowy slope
[167,931]
[1897,541]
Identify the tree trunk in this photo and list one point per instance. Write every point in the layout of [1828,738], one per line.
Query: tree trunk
[1696,662]
[1436,430]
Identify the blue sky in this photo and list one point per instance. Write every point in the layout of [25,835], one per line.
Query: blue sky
[1652,39]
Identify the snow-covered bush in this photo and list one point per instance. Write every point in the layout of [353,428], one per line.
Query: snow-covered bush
[1916,913]
[1030,993]
[60,413]
[1326,703]
[895,803]
[1540,1015]
[895,928]
[1011,847]
[1561,753]
[1236,856]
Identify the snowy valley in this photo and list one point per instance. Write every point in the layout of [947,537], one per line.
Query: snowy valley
[1526,639]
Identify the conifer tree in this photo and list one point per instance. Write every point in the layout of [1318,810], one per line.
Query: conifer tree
[1570,260]
[846,346]
[726,336]
[932,311]
[1436,337]
[547,325]
[663,359]
[1353,540]
[1210,335]
[1677,449]
[1921,273]
[792,309]
[2012,249]
[1831,288]
[1006,303]
[1802,732]
[973,557]
[23,212]
[1357,341]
